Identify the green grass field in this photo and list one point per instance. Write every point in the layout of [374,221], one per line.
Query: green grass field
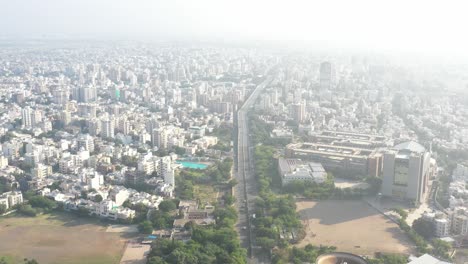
[58,238]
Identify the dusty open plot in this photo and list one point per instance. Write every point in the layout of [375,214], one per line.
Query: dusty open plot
[59,238]
[351,226]
[135,253]
[122,229]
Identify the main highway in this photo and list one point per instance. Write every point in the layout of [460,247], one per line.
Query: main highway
[246,191]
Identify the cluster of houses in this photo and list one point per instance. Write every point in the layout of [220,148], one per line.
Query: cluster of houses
[453,220]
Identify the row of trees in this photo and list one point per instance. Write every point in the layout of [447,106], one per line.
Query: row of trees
[277,223]
[388,259]
[4,260]
[296,255]
[36,204]
[327,190]
[275,214]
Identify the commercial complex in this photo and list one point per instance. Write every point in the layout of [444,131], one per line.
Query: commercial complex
[338,159]
[342,152]
[406,172]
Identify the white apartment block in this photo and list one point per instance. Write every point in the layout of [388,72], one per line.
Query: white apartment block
[3,162]
[41,171]
[67,164]
[10,199]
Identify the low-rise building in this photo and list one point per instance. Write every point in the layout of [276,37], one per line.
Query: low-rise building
[298,170]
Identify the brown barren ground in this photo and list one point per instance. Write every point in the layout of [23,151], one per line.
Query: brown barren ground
[351,226]
[59,238]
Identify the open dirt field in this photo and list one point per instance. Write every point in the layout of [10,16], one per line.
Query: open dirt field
[59,239]
[122,229]
[351,226]
[135,253]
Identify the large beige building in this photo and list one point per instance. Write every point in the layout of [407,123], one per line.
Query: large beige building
[342,152]
[406,172]
[352,160]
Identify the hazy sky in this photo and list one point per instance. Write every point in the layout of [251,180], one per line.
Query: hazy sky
[396,25]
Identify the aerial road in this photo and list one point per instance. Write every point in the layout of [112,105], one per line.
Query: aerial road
[246,191]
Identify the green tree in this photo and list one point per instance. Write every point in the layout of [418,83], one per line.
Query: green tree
[401,212]
[389,259]
[145,227]
[3,209]
[27,210]
[98,198]
[232,183]
[42,202]
[160,219]
[83,212]
[155,260]
[229,199]
[179,151]
[167,206]
[266,243]
[424,227]
[441,248]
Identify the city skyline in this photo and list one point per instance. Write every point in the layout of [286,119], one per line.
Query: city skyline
[425,27]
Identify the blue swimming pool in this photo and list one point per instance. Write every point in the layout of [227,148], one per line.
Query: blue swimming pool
[192,165]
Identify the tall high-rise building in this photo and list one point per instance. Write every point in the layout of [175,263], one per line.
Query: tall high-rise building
[88,94]
[26,116]
[297,112]
[327,76]
[65,117]
[86,142]
[107,128]
[36,117]
[406,172]
[84,94]
[60,96]
[159,138]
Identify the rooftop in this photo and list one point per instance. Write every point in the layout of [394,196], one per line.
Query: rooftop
[410,146]
[427,259]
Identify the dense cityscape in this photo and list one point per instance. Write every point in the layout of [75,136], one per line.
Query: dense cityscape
[232,153]
[233,132]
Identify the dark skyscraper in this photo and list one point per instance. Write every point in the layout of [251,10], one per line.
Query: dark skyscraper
[327,76]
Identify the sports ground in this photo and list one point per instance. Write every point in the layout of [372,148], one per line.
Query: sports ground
[351,226]
[59,238]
